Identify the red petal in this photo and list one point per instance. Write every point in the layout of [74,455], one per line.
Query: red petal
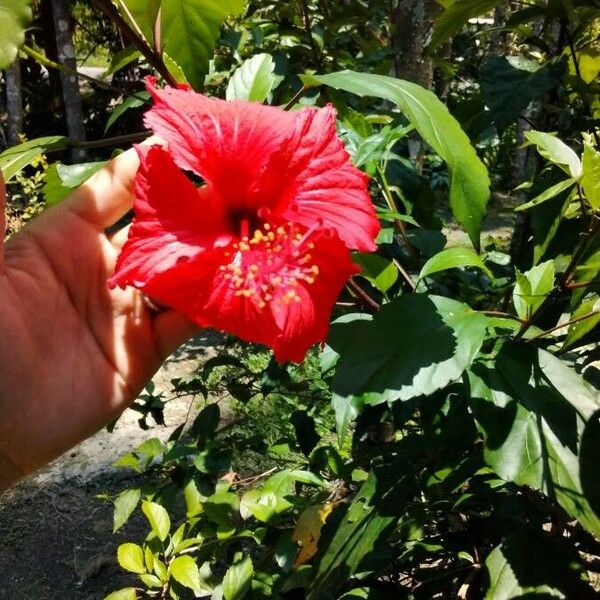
[173,221]
[322,185]
[227,143]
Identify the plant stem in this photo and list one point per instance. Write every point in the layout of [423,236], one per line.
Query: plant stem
[296,97]
[308,29]
[565,324]
[362,296]
[139,42]
[564,281]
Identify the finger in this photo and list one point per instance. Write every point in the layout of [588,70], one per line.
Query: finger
[2,217]
[171,330]
[119,238]
[104,198]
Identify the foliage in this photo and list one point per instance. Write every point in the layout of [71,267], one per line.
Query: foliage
[444,443]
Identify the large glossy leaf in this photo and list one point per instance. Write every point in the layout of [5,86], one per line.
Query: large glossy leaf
[539,420]
[185,570]
[253,80]
[190,30]
[414,346]
[15,159]
[456,16]
[508,86]
[469,186]
[535,565]
[15,16]
[142,14]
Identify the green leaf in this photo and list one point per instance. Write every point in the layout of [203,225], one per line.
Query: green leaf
[548,194]
[140,99]
[125,504]
[158,518]
[15,17]
[253,80]
[61,180]
[124,594]
[508,89]
[590,180]
[469,186]
[190,29]
[174,68]
[379,271]
[532,287]
[556,151]
[452,258]
[144,13]
[578,330]
[536,413]
[414,345]
[185,571]
[346,410]
[120,60]
[15,159]
[131,558]
[238,579]
[151,581]
[531,564]
[353,530]
[454,18]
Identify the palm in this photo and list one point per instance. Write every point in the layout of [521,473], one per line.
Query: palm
[73,354]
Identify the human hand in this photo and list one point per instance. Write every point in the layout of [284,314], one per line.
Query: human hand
[73,354]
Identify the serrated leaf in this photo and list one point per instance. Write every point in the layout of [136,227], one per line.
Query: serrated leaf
[590,181]
[158,518]
[556,151]
[125,504]
[469,179]
[131,558]
[443,335]
[15,159]
[254,80]
[190,30]
[185,571]
[15,17]
[452,258]
[237,580]
[532,287]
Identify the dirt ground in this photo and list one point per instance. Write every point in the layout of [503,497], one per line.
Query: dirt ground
[56,540]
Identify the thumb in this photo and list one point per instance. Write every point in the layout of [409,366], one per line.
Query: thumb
[2,217]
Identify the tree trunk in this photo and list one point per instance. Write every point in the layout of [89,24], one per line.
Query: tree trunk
[14,103]
[70,83]
[412,23]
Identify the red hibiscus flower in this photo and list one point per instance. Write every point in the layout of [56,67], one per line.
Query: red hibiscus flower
[261,249]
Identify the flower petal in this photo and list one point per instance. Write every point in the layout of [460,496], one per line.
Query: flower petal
[227,143]
[322,185]
[165,231]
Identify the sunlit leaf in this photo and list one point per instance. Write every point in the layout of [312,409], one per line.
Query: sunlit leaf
[469,185]
[254,80]
[15,17]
